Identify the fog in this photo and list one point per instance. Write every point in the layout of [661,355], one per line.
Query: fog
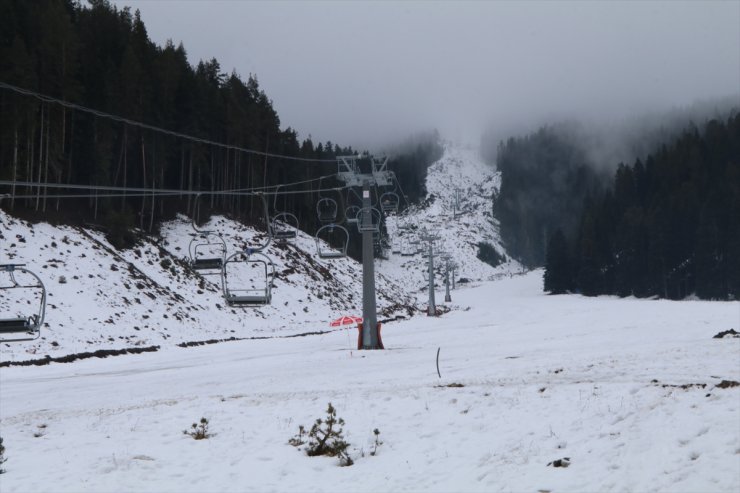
[367,73]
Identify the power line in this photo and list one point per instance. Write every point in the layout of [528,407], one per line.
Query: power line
[153,191]
[67,104]
[171,194]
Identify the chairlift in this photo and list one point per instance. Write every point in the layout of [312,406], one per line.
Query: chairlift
[284,227]
[350,214]
[323,245]
[248,288]
[22,328]
[327,209]
[389,202]
[207,251]
[408,249]
[395,247]
[368,219]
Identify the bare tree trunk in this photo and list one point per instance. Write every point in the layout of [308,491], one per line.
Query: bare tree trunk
[143,198]
[182,167]
[29,159]
[213,180]
[264,175]
[161,202]
[190,176]
[15,166]
[71,149]
[125,167]
[60,168]
[151,215]
[41,156]
[154,178]
[238,173]
[46,160]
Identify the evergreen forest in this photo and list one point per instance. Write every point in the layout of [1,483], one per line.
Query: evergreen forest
[100,57]
[667,226]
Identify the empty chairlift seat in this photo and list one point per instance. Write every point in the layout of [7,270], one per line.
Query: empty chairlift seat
[351,214]
[247,279]
[327,209]
[332,241]
[18,280]
[368,219]
[389,202]
[207,251]
[284,227]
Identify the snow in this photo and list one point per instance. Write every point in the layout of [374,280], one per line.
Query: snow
[459,229]
[624,388]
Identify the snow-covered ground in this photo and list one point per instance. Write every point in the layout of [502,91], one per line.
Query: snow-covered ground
[101,298]
[460,224]
[626,389]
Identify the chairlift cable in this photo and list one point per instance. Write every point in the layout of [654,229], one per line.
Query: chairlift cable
[120,119]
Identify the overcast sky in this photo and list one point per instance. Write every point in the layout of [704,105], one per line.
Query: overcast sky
[363,73]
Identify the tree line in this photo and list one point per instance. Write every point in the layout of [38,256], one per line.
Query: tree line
[101,57]
[667,226]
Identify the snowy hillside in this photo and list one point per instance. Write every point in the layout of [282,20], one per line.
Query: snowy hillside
[534,392]
[460,224]
[631,395]
[101,298]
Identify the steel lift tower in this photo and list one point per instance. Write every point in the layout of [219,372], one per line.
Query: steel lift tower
[375,173]
[429,239]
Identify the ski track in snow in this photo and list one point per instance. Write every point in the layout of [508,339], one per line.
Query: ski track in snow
[623,387]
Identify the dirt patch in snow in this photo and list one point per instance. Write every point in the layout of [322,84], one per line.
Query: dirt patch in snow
[726,334]
[70,358]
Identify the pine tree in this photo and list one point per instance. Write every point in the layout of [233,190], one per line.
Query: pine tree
[558,265]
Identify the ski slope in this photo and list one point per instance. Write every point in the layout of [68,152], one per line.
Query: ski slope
[636,394]
[624,388]
[101,298]
[459,226]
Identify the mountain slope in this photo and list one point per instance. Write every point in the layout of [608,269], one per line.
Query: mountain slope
[460,227]
[102,298]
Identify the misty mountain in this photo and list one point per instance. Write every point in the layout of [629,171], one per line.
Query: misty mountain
[667,226]
[547,174]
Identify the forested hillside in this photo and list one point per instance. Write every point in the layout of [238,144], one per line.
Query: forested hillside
[545,177]
[668,226]
[98,57]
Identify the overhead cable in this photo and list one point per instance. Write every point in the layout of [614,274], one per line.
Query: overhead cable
[67,104]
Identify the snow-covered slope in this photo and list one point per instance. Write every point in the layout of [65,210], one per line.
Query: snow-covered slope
[460,226]
[630,391]
[630,395]
[102,298]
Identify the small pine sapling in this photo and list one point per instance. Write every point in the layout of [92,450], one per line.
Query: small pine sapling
[325,438]
[199,431]
[377,443]
[298,440]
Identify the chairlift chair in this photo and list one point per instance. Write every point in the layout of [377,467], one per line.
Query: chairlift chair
[396,247]
[327,209]
[368,219]
[408,249]
[246,290]
[350,214]
[284,227]
[23,328]
[207,251]
[389,202]
[323,247]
